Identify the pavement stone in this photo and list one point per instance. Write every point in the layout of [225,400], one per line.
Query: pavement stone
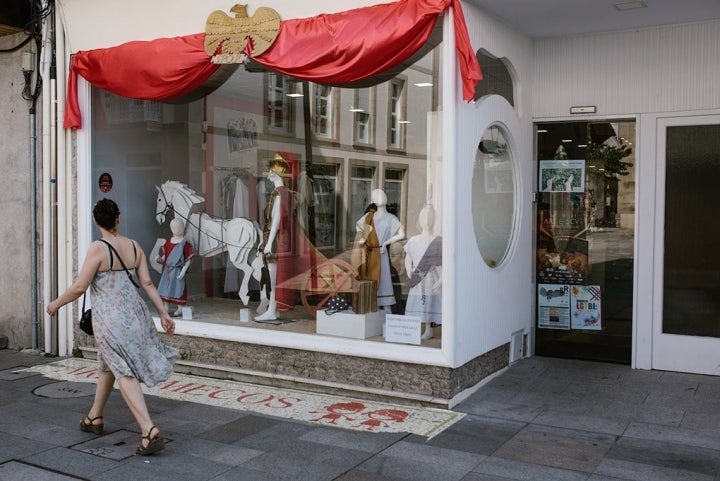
[541,419]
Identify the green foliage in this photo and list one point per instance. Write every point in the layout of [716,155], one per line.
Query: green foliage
[608,158]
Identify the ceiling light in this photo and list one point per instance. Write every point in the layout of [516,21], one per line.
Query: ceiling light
[567,140]
[403,121]
[424,84]
[582,145]
[629,5]
[356,109]
[294,95]
[542,131]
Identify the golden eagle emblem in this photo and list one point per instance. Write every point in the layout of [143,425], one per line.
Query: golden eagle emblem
[233,34]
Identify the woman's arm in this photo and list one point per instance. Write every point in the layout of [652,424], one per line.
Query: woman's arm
[93,260]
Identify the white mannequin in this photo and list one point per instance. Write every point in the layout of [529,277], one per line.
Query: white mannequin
[569,183]
[379,198]
[271,313]
[177,227]
[426,222]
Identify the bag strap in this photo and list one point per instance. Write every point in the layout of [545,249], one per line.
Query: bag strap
[121,262]
[83,306]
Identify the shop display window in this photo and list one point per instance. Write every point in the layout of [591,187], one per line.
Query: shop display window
[214,163]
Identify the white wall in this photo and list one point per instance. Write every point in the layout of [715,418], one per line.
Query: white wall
[490,304]
[662,69]
[147,20]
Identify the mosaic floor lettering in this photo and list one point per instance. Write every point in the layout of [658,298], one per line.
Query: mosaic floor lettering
[330,410]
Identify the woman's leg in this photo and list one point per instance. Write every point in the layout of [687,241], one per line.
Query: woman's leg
[105,382]
[94,420]
[135,400]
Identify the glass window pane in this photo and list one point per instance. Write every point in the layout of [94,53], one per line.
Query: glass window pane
[691,287]
[220,164]
[585,238]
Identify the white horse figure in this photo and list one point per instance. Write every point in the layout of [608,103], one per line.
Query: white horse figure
[210,236]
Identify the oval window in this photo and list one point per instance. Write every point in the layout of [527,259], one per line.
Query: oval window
[493,195]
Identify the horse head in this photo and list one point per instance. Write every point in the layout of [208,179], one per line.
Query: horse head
[175,196]
[162,206]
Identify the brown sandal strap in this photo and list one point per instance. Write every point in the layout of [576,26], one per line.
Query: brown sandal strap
[150,432]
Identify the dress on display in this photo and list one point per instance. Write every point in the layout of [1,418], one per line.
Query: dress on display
[170,288]
[385,226]
[125,334]
[426,255]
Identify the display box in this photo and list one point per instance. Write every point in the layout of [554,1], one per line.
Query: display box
[349,324]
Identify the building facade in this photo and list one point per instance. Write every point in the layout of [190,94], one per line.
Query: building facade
[552,223]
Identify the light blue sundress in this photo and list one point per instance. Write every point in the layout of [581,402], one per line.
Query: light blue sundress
[125,334]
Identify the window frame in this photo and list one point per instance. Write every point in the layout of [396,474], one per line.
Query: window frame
[275,93]
[397,114]
[331,117]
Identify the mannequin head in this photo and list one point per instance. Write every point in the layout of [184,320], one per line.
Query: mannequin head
[378,197]
[177,227]
[426,218]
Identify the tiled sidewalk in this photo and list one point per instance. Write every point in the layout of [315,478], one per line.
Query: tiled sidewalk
[541,419]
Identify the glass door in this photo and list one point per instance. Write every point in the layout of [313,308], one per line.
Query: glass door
[585,234]
[686,334]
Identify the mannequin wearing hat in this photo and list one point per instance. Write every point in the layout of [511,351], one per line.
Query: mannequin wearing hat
[377,230]
[277,168]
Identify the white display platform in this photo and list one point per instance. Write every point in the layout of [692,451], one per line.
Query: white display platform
[349,324]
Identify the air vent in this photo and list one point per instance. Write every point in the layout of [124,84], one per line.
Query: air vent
[517,346]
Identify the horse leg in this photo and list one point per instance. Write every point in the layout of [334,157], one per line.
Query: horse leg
[257,265]
[240,262]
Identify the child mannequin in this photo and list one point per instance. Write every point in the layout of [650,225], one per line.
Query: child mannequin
[175,256]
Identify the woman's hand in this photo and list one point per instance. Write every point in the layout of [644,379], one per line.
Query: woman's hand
[52,307]
[167,323]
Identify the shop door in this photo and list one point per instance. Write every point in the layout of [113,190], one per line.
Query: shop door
[686,323]
[585,240]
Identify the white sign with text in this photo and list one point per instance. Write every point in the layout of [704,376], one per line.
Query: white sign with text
[405,329]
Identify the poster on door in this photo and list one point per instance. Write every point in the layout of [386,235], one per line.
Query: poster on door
[553,306]
[562,176]
[585,307]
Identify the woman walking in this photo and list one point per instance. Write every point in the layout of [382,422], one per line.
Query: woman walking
[129,348]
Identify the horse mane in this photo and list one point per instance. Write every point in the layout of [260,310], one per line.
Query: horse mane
[185,190]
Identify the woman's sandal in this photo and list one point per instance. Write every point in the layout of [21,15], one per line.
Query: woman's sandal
[90,427]
[153,446]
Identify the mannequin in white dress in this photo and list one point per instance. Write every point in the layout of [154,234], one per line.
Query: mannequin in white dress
[423,264]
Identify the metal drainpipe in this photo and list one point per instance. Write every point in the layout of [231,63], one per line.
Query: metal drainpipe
[33,227]
[53,191]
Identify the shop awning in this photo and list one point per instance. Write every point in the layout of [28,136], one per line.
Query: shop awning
[340,48]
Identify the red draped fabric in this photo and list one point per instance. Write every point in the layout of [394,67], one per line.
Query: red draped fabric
[161,69]
[337,48]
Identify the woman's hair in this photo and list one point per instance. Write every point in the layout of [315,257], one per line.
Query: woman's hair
[106,213]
